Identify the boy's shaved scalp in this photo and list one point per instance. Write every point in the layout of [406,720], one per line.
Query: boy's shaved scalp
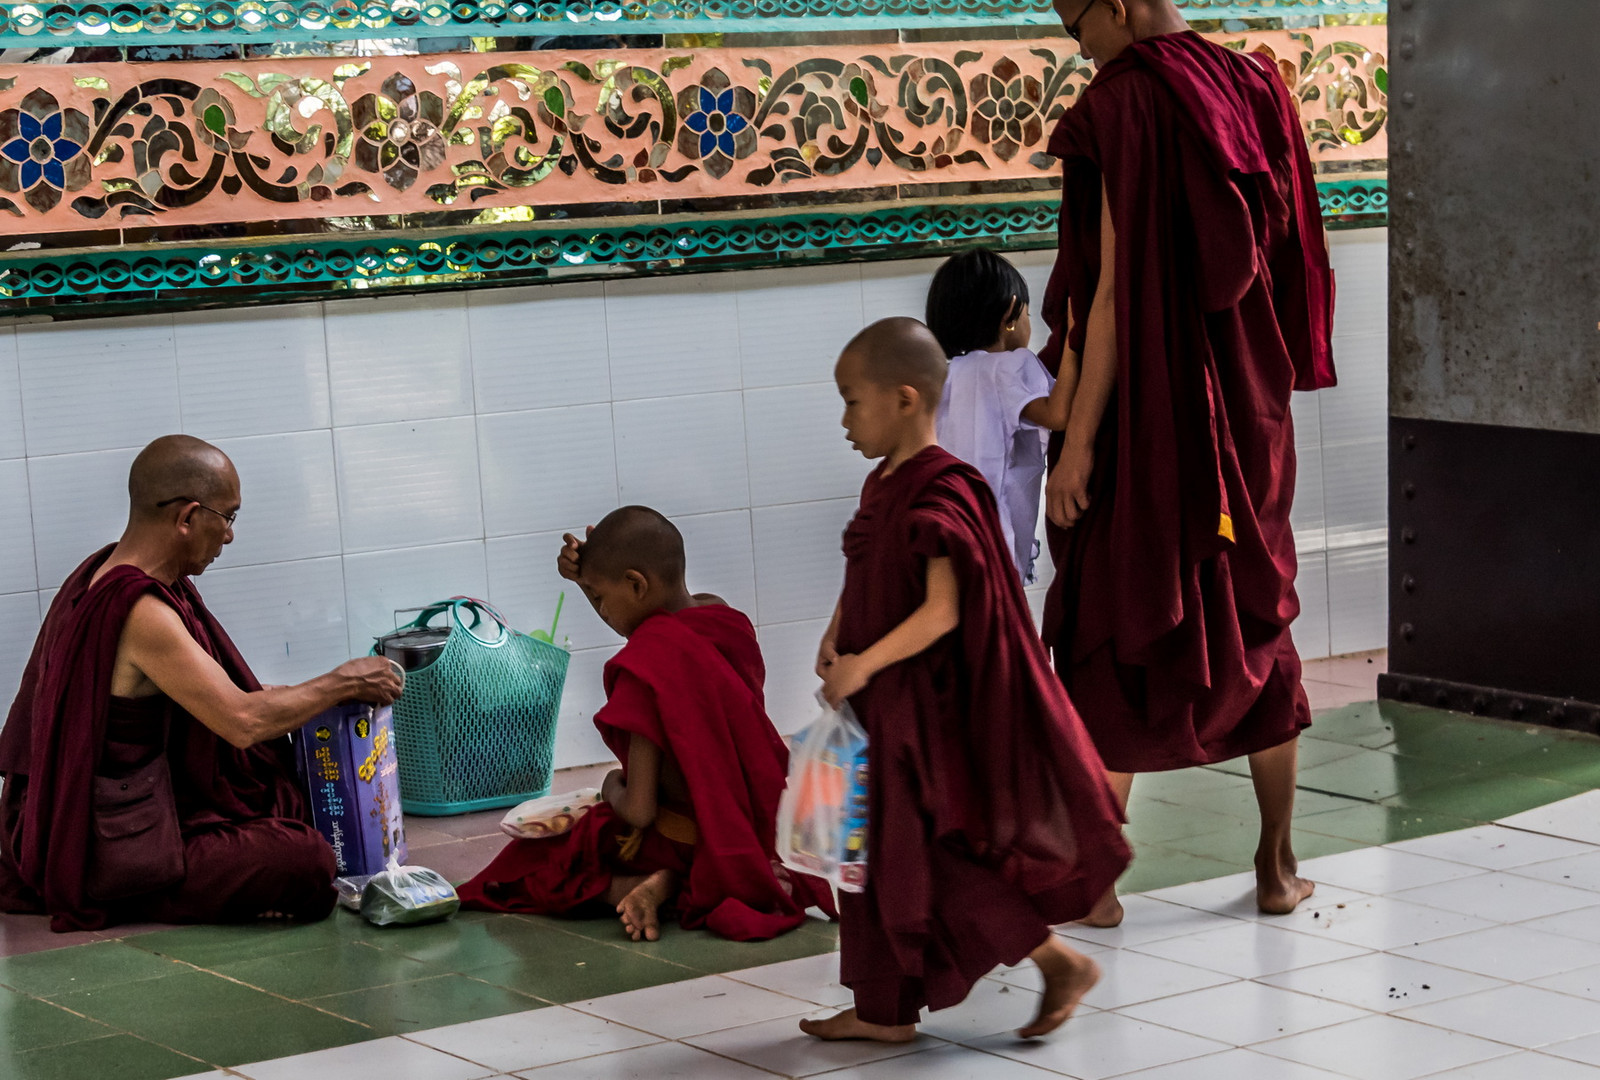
[902,352]
[635,538]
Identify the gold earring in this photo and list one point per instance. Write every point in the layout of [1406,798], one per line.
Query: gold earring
[1011,328]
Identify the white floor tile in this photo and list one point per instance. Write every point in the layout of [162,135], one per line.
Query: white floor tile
[1577,818]
[1235,895]
[1250,950]
[694,1007]
[1243,1013]
[1146,920]
[1126,978]
[1584,983]
[810,978]
[1500,897]
[1103,1044]
[663,1061]
[778,1046]
[380,1059]
[529,1040]
[943,1063]
[1580,871]
[1493,847]
[1527,1066]
[1585,1050]
[1382,922]
[993,1008]
[1383,1048]
[1233,1065]
[1508,952]
[1382,982]
[1583,924]
[1520,1015]
[1382,870]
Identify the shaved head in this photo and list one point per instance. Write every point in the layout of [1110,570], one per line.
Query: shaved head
[901,352]
[177,467]
[635,538]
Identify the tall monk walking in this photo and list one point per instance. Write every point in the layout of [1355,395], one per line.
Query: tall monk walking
[146,771]
[1193,292]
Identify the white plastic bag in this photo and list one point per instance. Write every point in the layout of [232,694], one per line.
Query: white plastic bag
[407,895]
[552,815]
[822,817]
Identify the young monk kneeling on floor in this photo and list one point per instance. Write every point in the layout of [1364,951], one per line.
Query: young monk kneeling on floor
[990,817]
[688,823]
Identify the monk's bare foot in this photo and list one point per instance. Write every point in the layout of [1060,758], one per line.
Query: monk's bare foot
[641,908]
[1068,976]
[847,1025]
[1279,890]
[1107,914]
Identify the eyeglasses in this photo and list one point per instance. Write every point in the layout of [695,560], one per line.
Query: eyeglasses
[186,499]
[1075,27]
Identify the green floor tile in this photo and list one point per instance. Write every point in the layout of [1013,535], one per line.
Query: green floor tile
[456,946]
[343,967]
[188,993]
[261,1034]
[116,1057]
[1486,797]
[586,970]
[26,1023]
[1310,845]
[1183,785]
[408,1007]
[1236,846]
[705,953]
[1570,759]
[82,967]
[204,946]
[1365,725]
[1157,867]
[1372,775]
[1473,744]
[1375,823]
[1153,822]
[1313,803]
[1315,750]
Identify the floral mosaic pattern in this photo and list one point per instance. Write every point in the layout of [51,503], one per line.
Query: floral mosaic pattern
[203,142]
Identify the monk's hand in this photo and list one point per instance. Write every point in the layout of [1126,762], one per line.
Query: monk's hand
[845,677]
[826,655]
[571,552]
[1066,493]
[376,679]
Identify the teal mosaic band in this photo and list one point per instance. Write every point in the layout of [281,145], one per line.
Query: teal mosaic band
[194,22]
[281,272]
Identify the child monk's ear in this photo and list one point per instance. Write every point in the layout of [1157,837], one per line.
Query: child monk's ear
[638,584]
[910,399]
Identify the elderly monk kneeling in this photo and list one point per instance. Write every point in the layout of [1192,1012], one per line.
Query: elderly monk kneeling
[146,771]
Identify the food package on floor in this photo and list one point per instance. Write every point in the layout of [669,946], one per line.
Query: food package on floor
[406,896]
[552,815]
[352,778]
[822,817]
[350,889]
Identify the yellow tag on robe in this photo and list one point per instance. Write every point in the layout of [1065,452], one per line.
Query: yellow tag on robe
[1225,529]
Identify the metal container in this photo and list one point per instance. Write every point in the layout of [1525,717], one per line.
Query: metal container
[414,648]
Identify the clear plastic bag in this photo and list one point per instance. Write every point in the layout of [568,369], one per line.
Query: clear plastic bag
[552,815]
[407,895]
[822,817]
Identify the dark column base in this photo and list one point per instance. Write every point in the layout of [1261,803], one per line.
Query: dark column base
[1494,586]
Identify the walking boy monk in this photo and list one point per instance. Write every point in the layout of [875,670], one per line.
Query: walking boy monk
[990,818]
[690,819]
[1193,281]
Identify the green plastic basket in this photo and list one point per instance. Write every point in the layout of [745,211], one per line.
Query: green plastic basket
[475,728]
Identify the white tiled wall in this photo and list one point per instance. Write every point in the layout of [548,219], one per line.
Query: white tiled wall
[398,450]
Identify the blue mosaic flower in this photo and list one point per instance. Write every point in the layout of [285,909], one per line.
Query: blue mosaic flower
[717,125]
[41,151]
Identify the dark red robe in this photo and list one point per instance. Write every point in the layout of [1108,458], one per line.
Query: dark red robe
[248,845]
[1174,594]
[690,682]
[990,816]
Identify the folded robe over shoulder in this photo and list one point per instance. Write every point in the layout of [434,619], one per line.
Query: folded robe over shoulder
[690,682]
[248,844]
[990,815]
[1174,594]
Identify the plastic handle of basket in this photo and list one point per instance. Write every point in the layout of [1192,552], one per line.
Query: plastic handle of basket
[474,606]
[493,611]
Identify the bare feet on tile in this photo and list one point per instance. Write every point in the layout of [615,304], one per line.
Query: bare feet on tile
[1279,890]
[1068,976]
[641,907]
[1106,914]
[847,1025]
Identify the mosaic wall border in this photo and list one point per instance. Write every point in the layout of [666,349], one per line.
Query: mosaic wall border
[91,23]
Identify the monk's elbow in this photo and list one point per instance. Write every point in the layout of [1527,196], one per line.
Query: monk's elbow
[640,817]
[240,730]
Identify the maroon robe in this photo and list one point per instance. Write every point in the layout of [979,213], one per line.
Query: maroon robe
[248,845]
[690,682]
[1174,594]
[990,816]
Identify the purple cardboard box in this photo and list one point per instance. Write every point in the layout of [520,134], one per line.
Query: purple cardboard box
[352,778]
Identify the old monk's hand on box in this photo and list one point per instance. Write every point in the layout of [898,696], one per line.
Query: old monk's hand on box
[347,758]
